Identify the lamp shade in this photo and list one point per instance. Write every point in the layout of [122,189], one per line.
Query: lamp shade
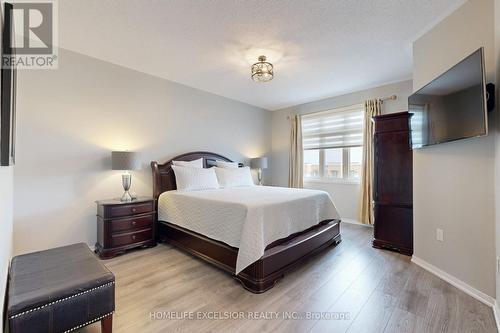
[259,163]
[124,160]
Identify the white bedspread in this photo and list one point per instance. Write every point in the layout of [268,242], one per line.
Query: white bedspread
[249,218]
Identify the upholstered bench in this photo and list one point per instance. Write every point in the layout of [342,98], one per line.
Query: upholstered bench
[59,290]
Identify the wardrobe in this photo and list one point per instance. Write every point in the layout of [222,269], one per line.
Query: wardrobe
[393,183]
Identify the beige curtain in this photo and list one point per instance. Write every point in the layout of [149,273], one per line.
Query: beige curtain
[296,162]
[372,108]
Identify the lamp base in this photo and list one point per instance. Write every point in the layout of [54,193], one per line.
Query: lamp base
[126,182]
[259,176]
[126,197]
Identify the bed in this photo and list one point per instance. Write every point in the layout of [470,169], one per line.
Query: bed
[242,230]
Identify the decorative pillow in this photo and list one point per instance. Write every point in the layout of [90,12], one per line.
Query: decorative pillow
[226,165]
[234,177]
[193,179]
[193,164]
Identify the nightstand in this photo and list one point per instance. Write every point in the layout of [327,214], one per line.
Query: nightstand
[124,225]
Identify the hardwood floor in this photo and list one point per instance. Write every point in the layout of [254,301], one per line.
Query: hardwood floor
[349,288]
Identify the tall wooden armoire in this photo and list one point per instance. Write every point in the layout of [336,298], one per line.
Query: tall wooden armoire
[393,187]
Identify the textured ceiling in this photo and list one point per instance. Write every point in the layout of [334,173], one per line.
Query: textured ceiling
[319,48]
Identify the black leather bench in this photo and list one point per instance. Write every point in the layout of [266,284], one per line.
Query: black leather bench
[59,290]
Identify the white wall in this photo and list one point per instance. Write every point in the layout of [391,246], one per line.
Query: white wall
[6,220]
[71,118]
[345,196]
[497,150]
[6,194]
[454,182]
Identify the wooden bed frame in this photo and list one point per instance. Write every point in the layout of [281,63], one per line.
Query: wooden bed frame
[278,257]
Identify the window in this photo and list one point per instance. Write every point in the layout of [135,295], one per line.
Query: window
[333,144]
[311,163]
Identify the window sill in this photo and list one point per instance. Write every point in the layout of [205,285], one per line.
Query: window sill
[332,181]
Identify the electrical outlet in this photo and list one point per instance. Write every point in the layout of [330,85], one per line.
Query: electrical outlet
[440,235]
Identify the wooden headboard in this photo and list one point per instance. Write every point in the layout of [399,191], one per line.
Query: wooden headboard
[163,175]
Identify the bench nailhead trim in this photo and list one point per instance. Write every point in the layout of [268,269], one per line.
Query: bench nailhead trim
[87,323]
[61,300]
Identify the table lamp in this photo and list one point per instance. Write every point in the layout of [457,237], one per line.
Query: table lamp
[259,163]
[125,161]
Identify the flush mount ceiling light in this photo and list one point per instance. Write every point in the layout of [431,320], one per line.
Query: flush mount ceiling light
[262,71]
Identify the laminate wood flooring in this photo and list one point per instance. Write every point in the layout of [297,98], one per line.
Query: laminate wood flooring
[349,288]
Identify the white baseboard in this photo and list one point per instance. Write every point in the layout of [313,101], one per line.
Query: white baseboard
[466,288]
[496,313]
[350,221]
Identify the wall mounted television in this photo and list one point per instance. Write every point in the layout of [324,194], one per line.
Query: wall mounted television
[452,106]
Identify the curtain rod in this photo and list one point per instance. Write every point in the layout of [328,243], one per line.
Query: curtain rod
[388,98]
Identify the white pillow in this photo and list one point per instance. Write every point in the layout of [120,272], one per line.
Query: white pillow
[193,164]
[193,179]
[231,177]
[227,165]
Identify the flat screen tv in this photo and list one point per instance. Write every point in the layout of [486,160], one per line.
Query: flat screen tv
[452,106]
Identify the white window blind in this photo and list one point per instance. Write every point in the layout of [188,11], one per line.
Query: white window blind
[338,128]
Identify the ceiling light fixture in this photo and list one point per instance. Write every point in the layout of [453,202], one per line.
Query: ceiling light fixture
[262,71]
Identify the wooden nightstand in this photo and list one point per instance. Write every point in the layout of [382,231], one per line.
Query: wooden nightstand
[124,225]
